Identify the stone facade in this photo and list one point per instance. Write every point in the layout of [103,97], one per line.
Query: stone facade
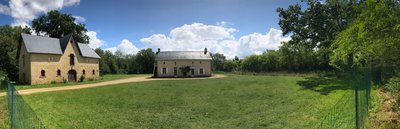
[198,67]
[57,68]
[175,63]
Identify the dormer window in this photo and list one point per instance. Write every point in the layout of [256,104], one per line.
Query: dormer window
[72,59]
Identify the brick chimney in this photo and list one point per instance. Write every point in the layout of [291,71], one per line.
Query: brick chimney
[158,51]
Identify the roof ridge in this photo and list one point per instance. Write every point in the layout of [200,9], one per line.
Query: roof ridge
[181,51]
[41,36]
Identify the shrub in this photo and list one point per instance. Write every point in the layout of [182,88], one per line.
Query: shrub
[64,80]
[185,70]
[394,88]
[3,84]
[90,79]
[53,82]
[81,78]
[394,85]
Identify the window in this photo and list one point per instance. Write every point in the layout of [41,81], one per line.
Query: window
[163,62]
[58,72]
[83,72]
[192,62]
[42,73]
[175,71]
[164,70]
[175,63]
[93,72]
[192,70]
[200,62]
[201,71]
[72,59]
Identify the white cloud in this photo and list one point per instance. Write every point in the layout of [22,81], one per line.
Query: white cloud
[257,43]
[24,11]
[94,42]
[126,47]
[79,19]
[4,10]
[217,38]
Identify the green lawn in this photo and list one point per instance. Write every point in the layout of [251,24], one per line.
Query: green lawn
[107,77]
[237,101]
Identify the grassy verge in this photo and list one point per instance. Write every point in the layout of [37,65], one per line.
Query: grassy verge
[108,77]
[237,101]
[4,123]
[385,109]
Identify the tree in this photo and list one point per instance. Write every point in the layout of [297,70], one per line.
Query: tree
[318,24]
[218,61]
[372,40]
[102,63]
[269,61]
[9,43]
[251,63]
[131,64]
[56,24]
[145,59]
[231,65]
[109,63]
[121,62]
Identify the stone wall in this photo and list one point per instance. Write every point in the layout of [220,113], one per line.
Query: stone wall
[178,64]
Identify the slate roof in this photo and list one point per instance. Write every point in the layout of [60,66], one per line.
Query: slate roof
[64,41]
[86,51]
[183,55]
[48,45]
[39,44]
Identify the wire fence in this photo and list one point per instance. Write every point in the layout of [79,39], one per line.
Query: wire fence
[351,111]
[21,114]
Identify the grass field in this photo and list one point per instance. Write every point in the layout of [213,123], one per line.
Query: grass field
[237,101]
[3,113]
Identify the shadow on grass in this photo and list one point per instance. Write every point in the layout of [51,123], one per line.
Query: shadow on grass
[324,84]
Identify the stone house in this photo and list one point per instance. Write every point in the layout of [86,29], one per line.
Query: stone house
[182,64]
[44,60]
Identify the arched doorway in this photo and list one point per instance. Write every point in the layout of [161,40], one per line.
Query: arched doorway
[71,75]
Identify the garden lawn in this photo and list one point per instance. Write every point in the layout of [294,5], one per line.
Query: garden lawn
[237,101]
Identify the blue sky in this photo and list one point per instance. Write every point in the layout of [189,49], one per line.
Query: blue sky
[231,27]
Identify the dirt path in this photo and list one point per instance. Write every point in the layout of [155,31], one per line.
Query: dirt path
[128,80]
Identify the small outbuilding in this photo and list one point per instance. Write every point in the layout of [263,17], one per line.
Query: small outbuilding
[182,64]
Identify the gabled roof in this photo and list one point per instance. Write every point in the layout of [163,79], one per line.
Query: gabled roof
[183,55]
[48,45]
[86,51]
[64,41]
[39,44]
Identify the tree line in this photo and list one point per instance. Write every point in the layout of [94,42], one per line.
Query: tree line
[333,36]
[118,63]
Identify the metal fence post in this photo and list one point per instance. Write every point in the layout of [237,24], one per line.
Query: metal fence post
[352,75]
[11,103]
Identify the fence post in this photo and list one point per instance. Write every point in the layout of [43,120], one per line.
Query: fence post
[10,102]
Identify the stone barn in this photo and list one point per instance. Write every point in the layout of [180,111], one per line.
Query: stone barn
[45,60]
